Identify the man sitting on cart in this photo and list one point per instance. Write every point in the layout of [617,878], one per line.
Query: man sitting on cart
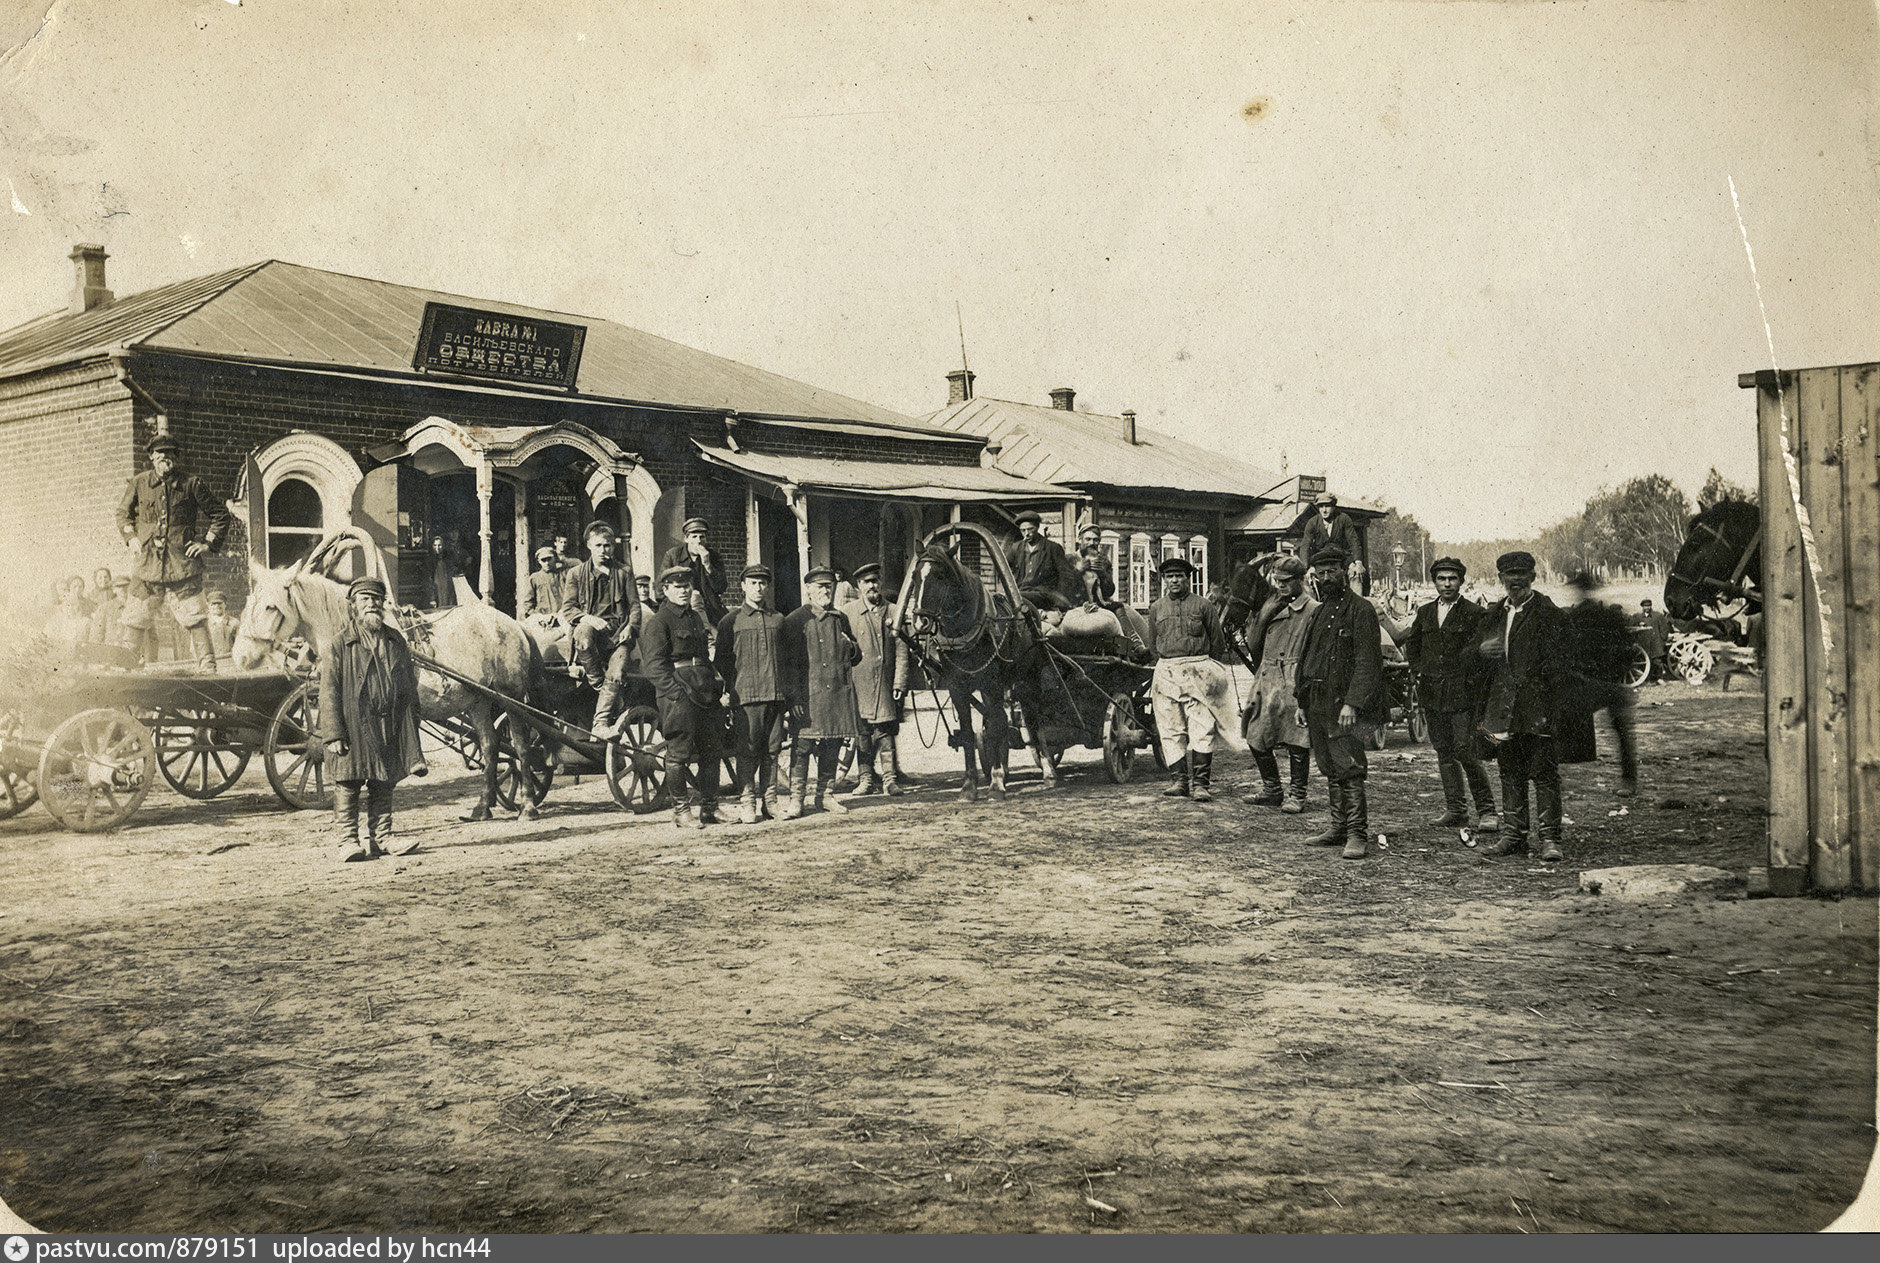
[598,599]
[169,520]
[1039,564]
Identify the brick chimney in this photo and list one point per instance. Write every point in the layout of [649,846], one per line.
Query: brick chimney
[1061,398]
[90,291]
[960,385]
[1129,427]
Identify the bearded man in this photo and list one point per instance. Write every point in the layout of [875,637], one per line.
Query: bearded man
[368,721]
[1341,699]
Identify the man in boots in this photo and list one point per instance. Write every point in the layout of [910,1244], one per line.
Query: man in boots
[880,683]
[1341,698]
[1440,645]
[1525,642]
[368,721]
[169,520]
[674,654]
[1601,646]
[597,597]
[819,655]
[1277,639]
[750,661]
[1191,691]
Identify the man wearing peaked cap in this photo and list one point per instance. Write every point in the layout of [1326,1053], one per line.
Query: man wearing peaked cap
[1191,691]
[368,722]
[597,597]
[708,572]
[749,656]
[543,599]
[169,520]
[1275,641]
[820,653]
[1339,691]
[880,683]
[1524,644]
[675,650]
[1039,564]
[1329,527]
[1452,686]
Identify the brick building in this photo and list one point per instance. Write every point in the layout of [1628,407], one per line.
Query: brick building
[315,400]
[1150,495]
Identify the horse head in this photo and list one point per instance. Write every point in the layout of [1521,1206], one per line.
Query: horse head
[1721,549]
[943,599]
[1247,591]
[272,616]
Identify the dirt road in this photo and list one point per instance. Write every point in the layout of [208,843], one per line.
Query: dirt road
[1088,1010]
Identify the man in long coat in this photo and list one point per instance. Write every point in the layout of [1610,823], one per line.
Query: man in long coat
[169,520]
[880,683]
[750,660]
[1601,647]
[598,598]
[820,654]
[1525,640]
[1340,694]
[1190,691]
[674,653]
[368,722]
[708,573]
[1277,639]
[1452,687]
[1039,564]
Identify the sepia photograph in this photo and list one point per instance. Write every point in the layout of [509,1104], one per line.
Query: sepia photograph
[938,617]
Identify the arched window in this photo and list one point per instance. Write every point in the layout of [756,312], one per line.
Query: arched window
[295,521]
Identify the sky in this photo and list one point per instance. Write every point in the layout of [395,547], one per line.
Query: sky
[1475,260]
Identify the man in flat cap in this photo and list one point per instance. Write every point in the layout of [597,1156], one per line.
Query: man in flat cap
[1191,691]
[880,682]
[368,721]
[169,521]
[1524,641]
[1276,640]
[750,660]
[597,599]
[1340,694]
[674,653]
[1330,527]
[708,573]
[1039,564]
[820,654]
[1452,685]
[542,602]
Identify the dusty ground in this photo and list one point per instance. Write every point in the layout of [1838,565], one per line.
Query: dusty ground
[935,1018]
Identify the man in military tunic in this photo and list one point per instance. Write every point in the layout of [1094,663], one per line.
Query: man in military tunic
[1341,700]
[674,653]
[169,520]
[750,659]
[597,597]
[1440,645]
[880,683]
[368,722]
[1191,691]
[820,654]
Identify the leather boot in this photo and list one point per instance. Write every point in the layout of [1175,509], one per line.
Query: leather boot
[799,786]
[346,824]
[1357,822]
[1199,776]
[682,817]
[890,763]
[1178,786]
[607,710]
[1299,771]
[1455,804]
[378,814]
[1270,794]
[747,807]
[202,647]
[769,795]
[706,781]
[1334,831]
[831,803]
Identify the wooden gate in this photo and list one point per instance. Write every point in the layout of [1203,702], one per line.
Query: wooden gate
[1819,453]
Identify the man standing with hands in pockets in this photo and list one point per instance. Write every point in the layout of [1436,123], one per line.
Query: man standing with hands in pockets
[1340,694]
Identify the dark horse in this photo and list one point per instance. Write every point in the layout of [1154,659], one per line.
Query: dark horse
[1247,593]
[976,644]
[1719,570]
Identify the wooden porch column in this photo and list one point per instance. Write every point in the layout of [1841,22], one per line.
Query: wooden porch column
[525,547]
[799,505]
[753,550]
[486,572]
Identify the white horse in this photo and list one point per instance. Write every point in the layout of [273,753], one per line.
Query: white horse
[473,640]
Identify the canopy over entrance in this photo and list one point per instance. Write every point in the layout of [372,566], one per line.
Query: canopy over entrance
[884,480]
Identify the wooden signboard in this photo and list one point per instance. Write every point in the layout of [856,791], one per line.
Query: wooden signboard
[467,342]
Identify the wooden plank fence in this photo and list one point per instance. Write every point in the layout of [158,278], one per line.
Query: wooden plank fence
[1819,459]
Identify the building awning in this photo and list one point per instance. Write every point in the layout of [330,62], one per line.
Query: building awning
[883,480]
[437,443]
[1278,519]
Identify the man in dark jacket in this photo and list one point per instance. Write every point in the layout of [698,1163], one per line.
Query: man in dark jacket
[1524,640]
[598,598]
[674,655]
[820,654]
[880,682]
[1452,685]
[368,721]
[1601,646]
[1326,528]
[750,660]
[1039,564]
[708,573]
[169,520]
[1340,694]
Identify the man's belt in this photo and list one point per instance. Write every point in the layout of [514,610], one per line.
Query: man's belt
[691,662]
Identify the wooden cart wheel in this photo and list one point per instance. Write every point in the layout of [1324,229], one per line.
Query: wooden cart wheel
[636,762]
[523,770]
[18,790]
[1693,661]
[292,756]
[1419,725]
[95,770]
[196,757]
[1119,751]
[1639,667]
[1380,737]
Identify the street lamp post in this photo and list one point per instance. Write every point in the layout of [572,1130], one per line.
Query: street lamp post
[1397,554]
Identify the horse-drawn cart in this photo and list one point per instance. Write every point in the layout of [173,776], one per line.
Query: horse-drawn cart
[1098,700]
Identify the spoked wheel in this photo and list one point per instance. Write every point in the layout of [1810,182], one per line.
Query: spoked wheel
[1380,738]
[1419,725]
[523,769]
[95,770]
[1693,661]
[1121,735]
[18,790]
[198,759]
[292,755]
[636,762]
[1638,667]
